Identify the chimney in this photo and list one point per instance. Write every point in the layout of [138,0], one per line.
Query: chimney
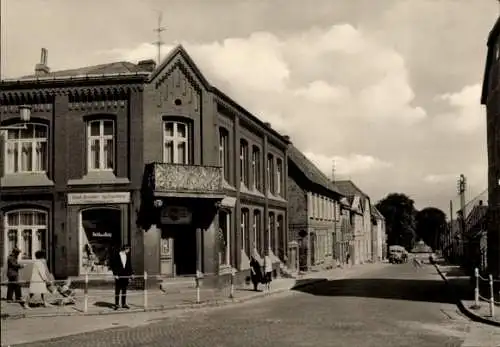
[287,138]
[480,202]
[42,69]
[147,65]
[267,124]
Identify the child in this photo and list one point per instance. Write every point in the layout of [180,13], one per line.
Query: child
[67,293]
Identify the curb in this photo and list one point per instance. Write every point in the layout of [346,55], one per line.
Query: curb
[219,303]
[464,310]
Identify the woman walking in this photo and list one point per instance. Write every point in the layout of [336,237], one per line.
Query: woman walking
[255,273]
[41,278]
[13,286]
[268,272]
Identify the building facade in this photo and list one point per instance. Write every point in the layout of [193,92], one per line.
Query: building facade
[360,219]
[153,156]
[491,98]
[379,236]
[314,207]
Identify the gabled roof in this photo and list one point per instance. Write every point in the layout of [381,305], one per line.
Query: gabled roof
[310,171]
[377,214]
[349,189]
[492,38]
[476,216]
[179,50]
[101,69]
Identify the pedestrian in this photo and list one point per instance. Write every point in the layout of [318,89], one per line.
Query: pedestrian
[13,286]
[122,270]
[416,263]
[347,259]
[268,272]
[255,273]
[40,280]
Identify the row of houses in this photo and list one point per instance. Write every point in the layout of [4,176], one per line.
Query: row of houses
[158,158]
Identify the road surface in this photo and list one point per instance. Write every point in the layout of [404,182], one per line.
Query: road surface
[394,306]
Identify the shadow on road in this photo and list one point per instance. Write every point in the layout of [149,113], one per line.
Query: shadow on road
[382,288]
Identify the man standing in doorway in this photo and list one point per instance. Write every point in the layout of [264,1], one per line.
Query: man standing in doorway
[122,270]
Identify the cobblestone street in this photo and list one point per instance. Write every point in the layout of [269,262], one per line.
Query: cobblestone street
[391,306]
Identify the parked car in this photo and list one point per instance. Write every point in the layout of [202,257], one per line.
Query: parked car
[397,254]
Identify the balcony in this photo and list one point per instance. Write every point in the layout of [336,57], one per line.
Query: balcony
[189,181]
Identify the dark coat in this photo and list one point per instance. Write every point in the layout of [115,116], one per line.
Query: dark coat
[117,266]
[13,267]
[256,274]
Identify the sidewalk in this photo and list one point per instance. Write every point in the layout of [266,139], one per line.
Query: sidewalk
[464,291]
[36,328]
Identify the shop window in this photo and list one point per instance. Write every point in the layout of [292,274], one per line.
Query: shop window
[176,142]
[101,145]
[26,149]
[100,236]
[26,230]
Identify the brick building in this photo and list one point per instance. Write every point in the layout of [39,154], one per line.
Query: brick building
[491,98]
[314,207]
[360,220]
[379,236]
[151,156]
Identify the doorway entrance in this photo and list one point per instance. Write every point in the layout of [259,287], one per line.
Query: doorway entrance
[178,250]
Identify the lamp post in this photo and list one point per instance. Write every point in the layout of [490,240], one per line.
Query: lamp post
[24,114]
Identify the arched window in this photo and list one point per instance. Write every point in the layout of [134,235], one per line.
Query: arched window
[256,180]
[26,149]
[271,233]
[244,162]
[176,142]
[257,231]
[101,145]
[27,230]
[245,226]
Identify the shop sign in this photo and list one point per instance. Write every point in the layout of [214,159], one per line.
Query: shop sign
[176,215]
[101,234]
[98,198]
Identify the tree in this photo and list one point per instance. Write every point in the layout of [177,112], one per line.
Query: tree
[399,213]
[431,225]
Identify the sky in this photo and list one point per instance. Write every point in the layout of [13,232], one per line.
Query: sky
[387,90]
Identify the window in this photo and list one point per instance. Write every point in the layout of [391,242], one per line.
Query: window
[223,152]
[26,230]
[256,168]
[271,232]
[257,230]
[244,162]
[225,228]
[100,145]
[279,176]
[175,143]
[245,219]
[26,149]
[270,176]
[281,239]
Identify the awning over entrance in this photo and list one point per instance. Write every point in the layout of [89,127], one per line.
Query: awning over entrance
[184,181]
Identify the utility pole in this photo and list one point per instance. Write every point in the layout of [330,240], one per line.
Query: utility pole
[450,234]
[1,38]
[461,187]
[159,29]
[333,168]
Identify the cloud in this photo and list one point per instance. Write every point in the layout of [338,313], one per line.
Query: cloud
[466,114]
[439,178]
[349,165]
[344,94]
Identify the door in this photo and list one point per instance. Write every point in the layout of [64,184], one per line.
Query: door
[167,267]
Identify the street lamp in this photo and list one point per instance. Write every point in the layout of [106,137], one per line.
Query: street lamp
[24,114]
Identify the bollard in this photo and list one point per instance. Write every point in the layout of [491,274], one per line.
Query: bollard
[492,297]
[476,290]
[86,293]
[145,291]
[233,274]
[198,275]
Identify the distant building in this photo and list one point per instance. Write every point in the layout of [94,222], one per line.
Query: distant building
[360,221]
[491,98]
[154,156]
[314,212]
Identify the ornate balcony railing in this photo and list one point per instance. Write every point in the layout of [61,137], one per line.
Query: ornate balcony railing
[174,179]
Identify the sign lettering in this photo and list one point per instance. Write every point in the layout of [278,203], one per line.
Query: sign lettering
[98,198]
